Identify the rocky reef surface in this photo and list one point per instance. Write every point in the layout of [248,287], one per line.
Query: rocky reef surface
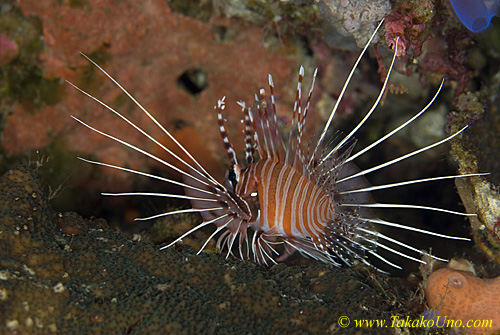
[61,274]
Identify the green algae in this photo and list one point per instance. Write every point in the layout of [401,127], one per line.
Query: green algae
[196,9]
[23,80]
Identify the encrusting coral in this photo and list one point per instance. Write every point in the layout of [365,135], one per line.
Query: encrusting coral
[356,18]
[459,295]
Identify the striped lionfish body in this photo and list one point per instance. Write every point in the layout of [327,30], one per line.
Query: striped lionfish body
[286,197]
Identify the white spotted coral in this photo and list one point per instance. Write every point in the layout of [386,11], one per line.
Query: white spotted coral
[355,17]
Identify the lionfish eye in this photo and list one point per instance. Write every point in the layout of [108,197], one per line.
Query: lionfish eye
[233,177]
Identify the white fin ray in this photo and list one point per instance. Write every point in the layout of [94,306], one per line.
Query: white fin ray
[296,107]
[387,238]
[399,159]
[379,205]
[383,138]
[232,239]
[144,152]
[164,195]
[151,138]
[181,211]
[370,112]
[383,246]
[189,232]
[342,92]
[163,129]
[418,230]
[152,176]
[371,252]
[219,228]
[411,182]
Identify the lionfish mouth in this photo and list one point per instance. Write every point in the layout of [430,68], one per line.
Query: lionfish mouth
[286,197]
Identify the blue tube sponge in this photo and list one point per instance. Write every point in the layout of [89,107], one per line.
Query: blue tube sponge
[476,14]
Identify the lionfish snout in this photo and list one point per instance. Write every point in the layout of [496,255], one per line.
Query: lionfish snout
[286,197]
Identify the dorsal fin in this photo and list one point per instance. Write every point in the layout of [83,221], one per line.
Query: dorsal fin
[302,117]
[292,139]
[221,105]
[249,133]
[264,121]
[294,151]
[278,140]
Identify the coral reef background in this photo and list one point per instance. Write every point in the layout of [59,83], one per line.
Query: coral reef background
[177,58]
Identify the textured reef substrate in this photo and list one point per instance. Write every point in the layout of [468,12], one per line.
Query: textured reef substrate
[61,274]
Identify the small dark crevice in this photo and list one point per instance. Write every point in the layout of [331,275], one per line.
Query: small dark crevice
[193,81]
[221,32]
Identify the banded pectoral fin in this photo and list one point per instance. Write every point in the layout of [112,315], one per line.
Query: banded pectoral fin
[205,196]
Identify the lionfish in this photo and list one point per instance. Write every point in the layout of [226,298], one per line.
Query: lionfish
[315,201]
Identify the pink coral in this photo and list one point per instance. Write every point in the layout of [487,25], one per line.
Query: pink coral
[448,55]
[399,25]
[146,47]
[8,50]
[425,39]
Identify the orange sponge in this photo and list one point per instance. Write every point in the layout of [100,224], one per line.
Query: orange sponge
[465,301]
